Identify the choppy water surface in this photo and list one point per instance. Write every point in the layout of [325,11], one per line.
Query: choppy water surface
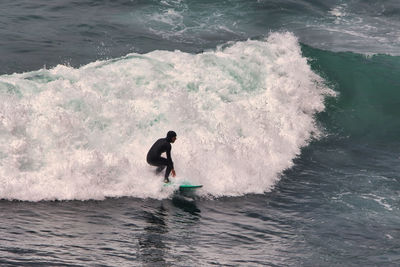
[286,112]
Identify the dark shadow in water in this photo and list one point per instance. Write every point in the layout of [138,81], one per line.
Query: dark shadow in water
[152,245]
[186,204]
[154,242]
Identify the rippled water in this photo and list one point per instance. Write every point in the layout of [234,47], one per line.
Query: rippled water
[287,113]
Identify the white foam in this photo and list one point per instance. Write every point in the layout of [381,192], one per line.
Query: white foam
[355,31]
[338,11]
[242,114]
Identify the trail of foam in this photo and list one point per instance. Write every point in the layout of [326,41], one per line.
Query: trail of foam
[242,113]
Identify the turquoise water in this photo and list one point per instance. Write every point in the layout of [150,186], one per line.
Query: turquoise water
[286,113]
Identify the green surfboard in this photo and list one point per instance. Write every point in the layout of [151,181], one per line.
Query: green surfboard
[184,186]
[189,186]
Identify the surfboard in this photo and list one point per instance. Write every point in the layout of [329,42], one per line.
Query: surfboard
[184,186]
[189,186]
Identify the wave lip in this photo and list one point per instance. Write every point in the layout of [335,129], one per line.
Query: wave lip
[242,113]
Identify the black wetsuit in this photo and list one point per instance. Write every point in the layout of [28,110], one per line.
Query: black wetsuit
[154,156]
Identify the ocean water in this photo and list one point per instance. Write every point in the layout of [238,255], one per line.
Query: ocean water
[286,111]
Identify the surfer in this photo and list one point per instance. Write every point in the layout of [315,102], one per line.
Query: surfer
[154,155]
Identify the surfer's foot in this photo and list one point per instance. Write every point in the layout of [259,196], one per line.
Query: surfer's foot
[166,180]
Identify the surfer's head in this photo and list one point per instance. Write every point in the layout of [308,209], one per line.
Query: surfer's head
[171,136]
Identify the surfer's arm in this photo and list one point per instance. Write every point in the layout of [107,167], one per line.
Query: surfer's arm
[170,162]
[168,152]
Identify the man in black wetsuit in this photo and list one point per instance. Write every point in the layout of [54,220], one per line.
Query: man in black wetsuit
[154,155]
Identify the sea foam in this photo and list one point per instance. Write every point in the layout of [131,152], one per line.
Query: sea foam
[242,113]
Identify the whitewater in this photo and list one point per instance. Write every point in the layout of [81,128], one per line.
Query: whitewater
[242,113]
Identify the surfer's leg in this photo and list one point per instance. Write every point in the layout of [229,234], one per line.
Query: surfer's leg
[160,169]
[161,163]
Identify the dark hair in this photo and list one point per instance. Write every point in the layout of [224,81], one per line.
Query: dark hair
[170,135]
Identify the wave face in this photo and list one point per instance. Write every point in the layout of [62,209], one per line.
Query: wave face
[242,113]
[367,106]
